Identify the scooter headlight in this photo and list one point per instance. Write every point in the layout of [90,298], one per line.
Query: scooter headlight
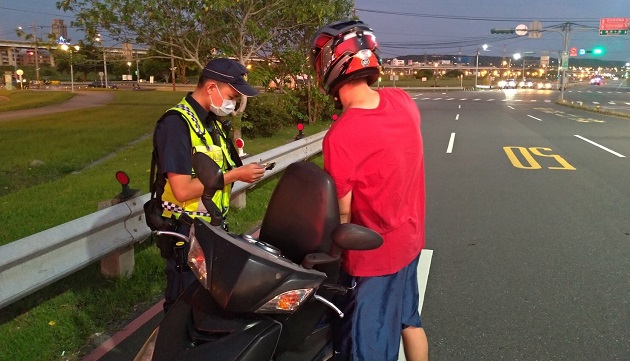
[197,259]
[288,301]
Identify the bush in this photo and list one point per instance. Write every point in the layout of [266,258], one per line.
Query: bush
[264,115]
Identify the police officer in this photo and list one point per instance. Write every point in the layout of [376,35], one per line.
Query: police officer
[195,125]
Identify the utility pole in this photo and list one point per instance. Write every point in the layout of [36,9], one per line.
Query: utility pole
[172,68]
[36,55]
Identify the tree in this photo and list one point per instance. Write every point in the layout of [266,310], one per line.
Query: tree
[193,31]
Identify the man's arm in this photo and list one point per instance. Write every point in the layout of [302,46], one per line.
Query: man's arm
[184,186]
[344,207]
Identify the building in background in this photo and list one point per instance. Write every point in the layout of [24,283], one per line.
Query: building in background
[59,29]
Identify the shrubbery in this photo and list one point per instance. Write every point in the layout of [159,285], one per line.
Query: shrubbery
[264,115]
[268,112]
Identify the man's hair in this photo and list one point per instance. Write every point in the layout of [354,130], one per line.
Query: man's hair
[203,80]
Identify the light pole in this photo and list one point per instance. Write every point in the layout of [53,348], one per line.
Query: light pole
[100,41]
[66,47]
[518,56]
[485,48]
[129,71]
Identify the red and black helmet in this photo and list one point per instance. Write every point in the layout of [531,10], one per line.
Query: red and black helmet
[343,51]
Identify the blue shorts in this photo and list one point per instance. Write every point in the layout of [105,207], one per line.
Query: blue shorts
[377,311]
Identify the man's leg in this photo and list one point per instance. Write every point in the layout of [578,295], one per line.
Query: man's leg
[415,344]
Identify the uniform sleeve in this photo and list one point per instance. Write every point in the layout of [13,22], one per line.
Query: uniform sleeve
[339,164]
[172,139]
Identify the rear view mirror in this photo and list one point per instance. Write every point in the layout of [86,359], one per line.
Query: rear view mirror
[210,175]
[208,172]
[355,237]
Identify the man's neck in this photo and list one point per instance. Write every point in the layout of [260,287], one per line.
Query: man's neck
[358,95]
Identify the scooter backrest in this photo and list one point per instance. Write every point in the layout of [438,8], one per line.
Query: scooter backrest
[302,212]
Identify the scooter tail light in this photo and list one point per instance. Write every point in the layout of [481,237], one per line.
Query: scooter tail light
[288,301]
[196,259]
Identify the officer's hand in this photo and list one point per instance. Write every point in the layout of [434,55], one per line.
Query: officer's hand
[251,172]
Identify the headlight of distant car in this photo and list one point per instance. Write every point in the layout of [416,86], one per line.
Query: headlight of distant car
[502,83]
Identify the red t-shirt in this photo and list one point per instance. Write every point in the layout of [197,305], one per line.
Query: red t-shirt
[377,153]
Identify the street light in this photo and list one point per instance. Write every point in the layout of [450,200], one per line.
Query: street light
[518,56]
[99,40]
[129,71]
[66,47]
[485,48]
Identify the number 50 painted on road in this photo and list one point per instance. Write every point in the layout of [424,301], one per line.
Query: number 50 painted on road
[533,164]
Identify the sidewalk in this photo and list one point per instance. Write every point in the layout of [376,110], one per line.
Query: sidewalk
[82,100]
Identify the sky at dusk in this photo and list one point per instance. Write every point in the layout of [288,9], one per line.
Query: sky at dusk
[416,27]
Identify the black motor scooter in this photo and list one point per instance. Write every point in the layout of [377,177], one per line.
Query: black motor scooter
[268,298]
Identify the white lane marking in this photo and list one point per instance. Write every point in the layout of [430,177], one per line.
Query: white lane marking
[627,103]
[460,106]
[464,99]
[490,100]
[474,100]
[611,103]
[424,264]
[509,106]
[450,98]
[600,146]
[533,100]
[595,102]
[437,99]
[457,117]
[450,144]
[547,101]
[425,98]
[540,120]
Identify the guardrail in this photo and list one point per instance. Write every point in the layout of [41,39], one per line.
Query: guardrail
[31,263]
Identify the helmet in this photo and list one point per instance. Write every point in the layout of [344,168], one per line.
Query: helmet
[343,51]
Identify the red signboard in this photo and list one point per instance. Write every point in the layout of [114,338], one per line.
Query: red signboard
[614,23]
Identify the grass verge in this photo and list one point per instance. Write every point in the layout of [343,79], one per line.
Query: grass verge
[75,314]
[29,99]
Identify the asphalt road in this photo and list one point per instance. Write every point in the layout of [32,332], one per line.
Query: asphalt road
[614,95]
[528,208]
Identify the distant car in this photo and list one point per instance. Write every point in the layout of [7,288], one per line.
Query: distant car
[507,84]
[544,85]
[526,84]
[101,84]
[597,81]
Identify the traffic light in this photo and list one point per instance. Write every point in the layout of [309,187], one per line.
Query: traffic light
[598,50]
[502,31]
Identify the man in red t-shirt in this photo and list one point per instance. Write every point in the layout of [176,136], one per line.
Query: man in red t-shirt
[374,154]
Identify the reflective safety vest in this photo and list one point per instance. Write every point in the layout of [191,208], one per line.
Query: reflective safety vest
[201,141]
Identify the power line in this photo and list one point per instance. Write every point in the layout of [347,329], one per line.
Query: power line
[471,18]
[35,12]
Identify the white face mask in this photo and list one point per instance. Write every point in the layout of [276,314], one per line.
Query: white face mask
[226,108]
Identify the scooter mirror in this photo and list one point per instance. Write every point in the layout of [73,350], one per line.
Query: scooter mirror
[210,175]
[208,172]
[355,237]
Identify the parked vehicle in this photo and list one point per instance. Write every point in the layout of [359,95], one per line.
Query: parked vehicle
[269,298]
